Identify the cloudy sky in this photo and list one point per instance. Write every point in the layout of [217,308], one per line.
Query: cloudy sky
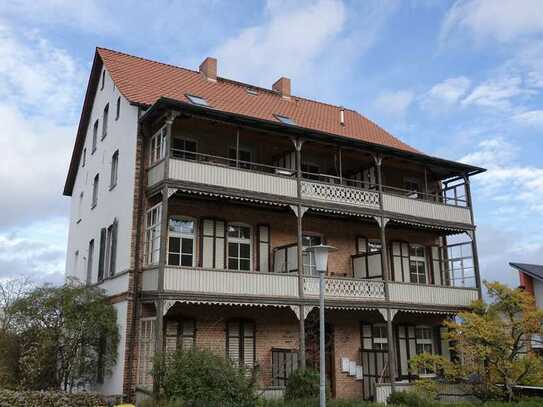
[461,80]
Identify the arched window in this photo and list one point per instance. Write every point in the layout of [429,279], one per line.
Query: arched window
[239,247]
[118,110]
[181,242]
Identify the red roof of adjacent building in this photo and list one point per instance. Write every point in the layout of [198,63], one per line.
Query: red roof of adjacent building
[144,81]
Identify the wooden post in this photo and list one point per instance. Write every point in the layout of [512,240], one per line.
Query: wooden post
[237,147]
[474,250]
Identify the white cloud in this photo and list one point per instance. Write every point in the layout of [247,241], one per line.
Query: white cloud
[445,94]
[531,118]
[394,103]
[496,93]
[501,20]
[507,182]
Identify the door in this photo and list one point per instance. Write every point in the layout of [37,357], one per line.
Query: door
[312,347]
[374,357]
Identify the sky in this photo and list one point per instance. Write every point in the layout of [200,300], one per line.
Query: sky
[461,80]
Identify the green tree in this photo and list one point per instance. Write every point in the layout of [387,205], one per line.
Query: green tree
[68,336]
[492,343]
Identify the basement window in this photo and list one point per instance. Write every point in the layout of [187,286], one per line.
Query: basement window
[285,119]
[197,100]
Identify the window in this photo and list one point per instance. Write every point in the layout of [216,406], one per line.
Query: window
[89,262]
[413,187]
[213,244]
[118,110]
[240,343]
[252,91]
[380,339]
[158,146]
[179,335]
[183,148]
[284,362]
[285,119]
[400,261]
[103,80]
[417,264]
[152,234]
[424,343]
[76,263]
[197,100]
[181,242]
[84,157]
[114,169]
[105,121]
[94,136]
[95,190]
[102,254]
[111,249]
[245,157]
[309,258]
[239,247]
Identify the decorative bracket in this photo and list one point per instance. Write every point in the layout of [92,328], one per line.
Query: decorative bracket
[381,221]
[295,210]
[471,234]
[167,305]
[385,313]
[298,143]
[307,309]
[172,191]
[378,159]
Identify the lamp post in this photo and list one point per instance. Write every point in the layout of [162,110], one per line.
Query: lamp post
[321,261]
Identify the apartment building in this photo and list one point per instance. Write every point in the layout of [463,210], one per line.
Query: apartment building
[194,197]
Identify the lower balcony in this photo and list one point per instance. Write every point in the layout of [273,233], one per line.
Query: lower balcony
[284,286]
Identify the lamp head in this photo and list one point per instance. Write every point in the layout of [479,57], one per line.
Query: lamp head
[321,255]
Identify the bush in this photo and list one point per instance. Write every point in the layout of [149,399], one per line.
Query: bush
[303,384]
[10,398]
[409,399]
[201,378]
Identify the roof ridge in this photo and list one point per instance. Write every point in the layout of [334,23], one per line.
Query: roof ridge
[232,81]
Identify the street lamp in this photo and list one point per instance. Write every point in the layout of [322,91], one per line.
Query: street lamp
[321,261]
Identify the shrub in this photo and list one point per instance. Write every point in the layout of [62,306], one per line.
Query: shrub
[409,399]
[201,378]
[10,398]
[303,384]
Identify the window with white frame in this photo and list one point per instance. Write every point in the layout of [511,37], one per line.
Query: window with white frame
[181,242]
[152,234]
[95,186]
[417,264]
[114,169]
[239,247]
[380,339]
[105,118]
[310,240]
[424,340]
[94,136]
[158,146]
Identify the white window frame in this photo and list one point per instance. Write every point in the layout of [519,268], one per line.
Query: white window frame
[152,234]
[181,236]
[157,150]
[417,260]
[239,240]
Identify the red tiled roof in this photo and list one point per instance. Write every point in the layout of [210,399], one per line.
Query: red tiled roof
[143,81]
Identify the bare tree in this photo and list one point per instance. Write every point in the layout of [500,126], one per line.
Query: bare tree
[11,290]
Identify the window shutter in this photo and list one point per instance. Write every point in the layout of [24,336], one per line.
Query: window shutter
[249,344]
[213,238]
[170,336]
[101,257]
[400,261]
[113,259]
[437,272]
[233,341]
[187,334]
[220,233]
[264,248]
[146,351]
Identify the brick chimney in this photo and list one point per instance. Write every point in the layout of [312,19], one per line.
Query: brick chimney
[282,86]
[208,68]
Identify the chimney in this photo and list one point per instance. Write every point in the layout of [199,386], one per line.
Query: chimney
[282,86]
[342,116]
[208,68]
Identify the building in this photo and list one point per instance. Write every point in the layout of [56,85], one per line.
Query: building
[193,197]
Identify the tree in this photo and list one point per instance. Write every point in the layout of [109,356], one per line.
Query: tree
[492,343]
[10,291]
[68,336]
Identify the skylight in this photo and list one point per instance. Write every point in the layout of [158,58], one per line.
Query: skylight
[197,100]
[285,119]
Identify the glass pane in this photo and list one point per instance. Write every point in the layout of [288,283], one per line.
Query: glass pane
[244,251]
[187,245]
[173,259]
[233,264]
[245,265]
[186,260]
[174,244]
[181,226]
[232,249]
[233,231]
[244,232]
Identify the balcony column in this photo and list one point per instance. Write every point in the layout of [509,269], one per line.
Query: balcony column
[382,221]
[378,164]
[299,210]
[474,250]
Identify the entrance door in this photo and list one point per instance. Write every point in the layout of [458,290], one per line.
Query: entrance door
[312,348]
[374,356]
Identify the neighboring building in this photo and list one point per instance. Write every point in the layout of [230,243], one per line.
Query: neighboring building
[193,197]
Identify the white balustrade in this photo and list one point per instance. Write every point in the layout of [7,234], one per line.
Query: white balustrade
[424,209]
[230,282]
[340,194]
[235,178]
[431,295]
[345,288]
[155,174]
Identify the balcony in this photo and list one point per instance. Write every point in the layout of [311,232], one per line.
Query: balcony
[224,173]
[282,286]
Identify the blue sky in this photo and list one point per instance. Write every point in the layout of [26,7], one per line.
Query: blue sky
[461,80]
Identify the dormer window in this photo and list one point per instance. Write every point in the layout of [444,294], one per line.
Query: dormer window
[285,119]
[197,100]
[252,91]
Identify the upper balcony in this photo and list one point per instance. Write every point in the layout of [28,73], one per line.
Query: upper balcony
[259,165]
